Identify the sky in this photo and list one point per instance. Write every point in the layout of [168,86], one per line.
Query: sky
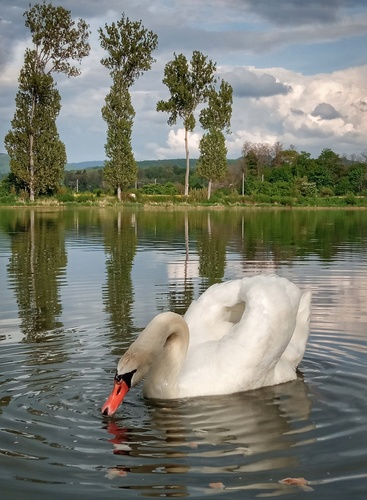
[298,69]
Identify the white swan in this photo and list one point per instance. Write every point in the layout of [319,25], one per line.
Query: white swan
[237,336]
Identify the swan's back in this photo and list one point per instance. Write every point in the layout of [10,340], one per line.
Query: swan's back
[245,334]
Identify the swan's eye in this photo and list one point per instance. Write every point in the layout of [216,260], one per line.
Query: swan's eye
[126,377]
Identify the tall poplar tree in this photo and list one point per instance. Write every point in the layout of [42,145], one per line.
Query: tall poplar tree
[37,156]
[129,46]
[120,170]
[188,85]
[212,163]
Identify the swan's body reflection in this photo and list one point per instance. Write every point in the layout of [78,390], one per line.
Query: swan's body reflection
[246,432]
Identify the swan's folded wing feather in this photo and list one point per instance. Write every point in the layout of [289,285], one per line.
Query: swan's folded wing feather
[211,316]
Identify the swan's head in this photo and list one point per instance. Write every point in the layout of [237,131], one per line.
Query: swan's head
[121,386]
[131,369]
[160,336]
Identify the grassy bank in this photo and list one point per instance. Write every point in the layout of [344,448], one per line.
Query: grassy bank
[196,198]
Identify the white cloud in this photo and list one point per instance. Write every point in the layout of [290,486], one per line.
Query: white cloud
[291,118]
[175,145]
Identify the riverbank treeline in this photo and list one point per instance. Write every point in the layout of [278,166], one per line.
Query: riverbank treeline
[283,177]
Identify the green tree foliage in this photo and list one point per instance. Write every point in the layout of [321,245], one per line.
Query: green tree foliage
[129,46]
[58,40]
[251,164]
[37,154]
[84,180]
[163,173]
[217,115]
[212,164]
[297,174]
[120,170]
[189,84]
[257,156]
[357,177]
[331,163]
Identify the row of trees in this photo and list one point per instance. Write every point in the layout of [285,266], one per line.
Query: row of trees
[265,169]
[37,155]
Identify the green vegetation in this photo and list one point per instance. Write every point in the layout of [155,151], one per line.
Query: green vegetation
[212,164]
[295,179]
[163,183]
[129,46]
[37,155]
[189,85]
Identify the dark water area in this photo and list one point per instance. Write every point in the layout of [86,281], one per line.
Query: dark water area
[76,287]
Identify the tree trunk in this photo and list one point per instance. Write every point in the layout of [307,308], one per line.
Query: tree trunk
[31,168]
[187,163]
[209,189]
[119,192]
[31,156]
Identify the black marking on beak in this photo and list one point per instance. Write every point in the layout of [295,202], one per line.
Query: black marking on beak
[126,377]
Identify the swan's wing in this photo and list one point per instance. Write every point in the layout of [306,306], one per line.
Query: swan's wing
[269,320]
[214,313]
[246,357]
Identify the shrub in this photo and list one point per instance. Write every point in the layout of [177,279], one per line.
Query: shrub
[198,195]
[287,201]
[65,197]
[343,187]
[168,188]
[305,188]
[326,191]
[261,198]
[84,197]
[350,199]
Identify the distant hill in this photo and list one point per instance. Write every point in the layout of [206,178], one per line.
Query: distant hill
[4,165]
[83,165]
[177,162]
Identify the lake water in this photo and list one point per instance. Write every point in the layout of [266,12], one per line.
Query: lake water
[77,285]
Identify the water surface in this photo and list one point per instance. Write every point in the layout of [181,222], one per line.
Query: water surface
[76,288]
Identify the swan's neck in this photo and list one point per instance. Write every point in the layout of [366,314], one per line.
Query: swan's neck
[165,341]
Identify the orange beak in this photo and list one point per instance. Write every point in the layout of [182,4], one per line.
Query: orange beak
[120,388]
